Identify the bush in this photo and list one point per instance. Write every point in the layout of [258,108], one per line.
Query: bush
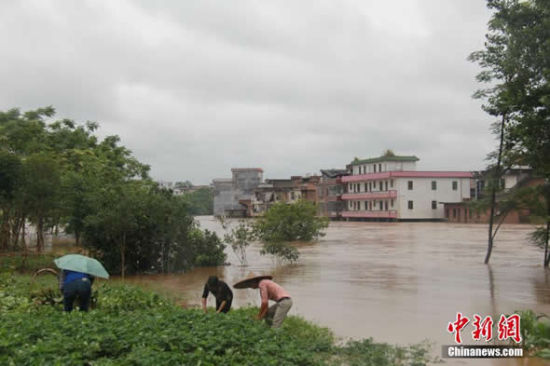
[535,333]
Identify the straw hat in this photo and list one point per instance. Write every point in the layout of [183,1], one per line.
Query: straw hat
[250,280]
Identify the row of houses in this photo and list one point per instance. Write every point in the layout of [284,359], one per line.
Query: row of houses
[387,188]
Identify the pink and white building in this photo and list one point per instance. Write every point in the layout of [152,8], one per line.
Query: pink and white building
[390,188]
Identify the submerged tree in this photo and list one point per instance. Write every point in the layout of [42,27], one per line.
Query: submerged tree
[240,239]
[516,66]
[284,223]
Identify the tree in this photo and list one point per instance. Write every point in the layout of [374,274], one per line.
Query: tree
[200,202]
[10,178]
[240,239]
[291,222]
[284,223]
[40,192]
[516,65]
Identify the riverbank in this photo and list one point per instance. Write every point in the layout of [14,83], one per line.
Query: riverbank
[132,326]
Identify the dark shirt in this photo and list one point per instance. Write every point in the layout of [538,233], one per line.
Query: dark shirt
[222,293]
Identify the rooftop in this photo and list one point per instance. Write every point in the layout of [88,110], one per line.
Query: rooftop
[387,157]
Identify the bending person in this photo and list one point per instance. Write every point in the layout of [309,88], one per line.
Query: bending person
[75,285]
[269,290]
[222,293]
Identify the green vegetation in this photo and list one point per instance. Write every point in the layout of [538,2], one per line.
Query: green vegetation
[282,224]
[291,222]
[535,333]
[10,262]
[516,66]
[130,326]
[200,202]
[57,174]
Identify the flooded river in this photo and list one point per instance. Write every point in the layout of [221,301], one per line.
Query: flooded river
[396,282]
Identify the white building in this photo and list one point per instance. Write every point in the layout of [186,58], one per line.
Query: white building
[389,187]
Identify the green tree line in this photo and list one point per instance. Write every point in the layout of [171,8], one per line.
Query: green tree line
[57,174]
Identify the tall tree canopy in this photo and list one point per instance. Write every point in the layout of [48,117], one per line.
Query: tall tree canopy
[516,68]
[58,173]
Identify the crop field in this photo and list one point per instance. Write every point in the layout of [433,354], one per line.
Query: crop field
[131,326]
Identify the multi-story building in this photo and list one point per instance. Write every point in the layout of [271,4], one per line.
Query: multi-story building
[390,188]
[329,193]
[233,196]
[283,190]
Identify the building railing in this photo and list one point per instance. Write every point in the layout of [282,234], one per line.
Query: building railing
[370,195]
[371,214]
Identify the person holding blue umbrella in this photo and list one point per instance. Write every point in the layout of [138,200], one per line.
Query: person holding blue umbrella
[78,274]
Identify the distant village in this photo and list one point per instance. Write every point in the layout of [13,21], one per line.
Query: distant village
[384,188]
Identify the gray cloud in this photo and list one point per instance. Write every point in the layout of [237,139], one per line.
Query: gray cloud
[195,88]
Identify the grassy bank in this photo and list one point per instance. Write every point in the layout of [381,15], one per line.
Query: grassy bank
[131,326]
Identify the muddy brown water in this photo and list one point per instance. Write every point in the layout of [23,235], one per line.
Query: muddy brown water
[396,282]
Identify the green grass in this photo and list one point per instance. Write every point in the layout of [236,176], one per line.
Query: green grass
[132,326]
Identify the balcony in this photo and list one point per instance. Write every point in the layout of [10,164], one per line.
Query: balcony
[370,195]
[370,214]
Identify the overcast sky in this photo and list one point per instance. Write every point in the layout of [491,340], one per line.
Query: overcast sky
[195,88]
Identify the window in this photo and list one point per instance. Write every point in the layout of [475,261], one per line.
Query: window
[455,185]
[434,205]
[434,185]
[379,167]
[366,205]
[381,205]
[386,205]
[386,184]
[391,183]
[391,203]
[381,186]
[370,186]
[365,186]
[410,185]
[410,205]
[375,168]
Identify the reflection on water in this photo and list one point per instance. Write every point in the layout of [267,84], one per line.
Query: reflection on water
[395,282]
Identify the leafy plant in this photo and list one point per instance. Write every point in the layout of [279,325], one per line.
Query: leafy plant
[535,333]
[131,326]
